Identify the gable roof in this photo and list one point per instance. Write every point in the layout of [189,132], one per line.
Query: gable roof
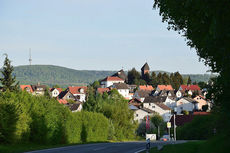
[189,87]
[59,89]
[75,106]
[146,87]
[102,90]
[154,99]
[190,100]
[166,93]
[34,87]
[120,86]
[112,78]
[62,94]
[26,86]
[132,107]
[143,93]
[145,67]
[121,74]
[164,87]
[147,110]
[76,89]
[163,106]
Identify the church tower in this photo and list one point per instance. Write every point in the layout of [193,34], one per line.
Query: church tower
[145,69]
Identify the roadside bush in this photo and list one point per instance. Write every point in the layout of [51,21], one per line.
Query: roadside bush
[200,128]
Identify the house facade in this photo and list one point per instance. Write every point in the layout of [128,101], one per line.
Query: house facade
[123,89]
[187,104]
[79,92]
[109,81]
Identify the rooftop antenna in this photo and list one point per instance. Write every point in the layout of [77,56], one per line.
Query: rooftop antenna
[30,58]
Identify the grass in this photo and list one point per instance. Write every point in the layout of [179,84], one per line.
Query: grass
[218,144]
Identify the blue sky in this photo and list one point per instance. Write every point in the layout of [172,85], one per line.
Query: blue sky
[92,35]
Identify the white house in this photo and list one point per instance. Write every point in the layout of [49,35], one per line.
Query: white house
[123,89]
[109,81]
[140,114]
[55,92]
[187,104]
[170,102]
[79,92]
[156,104]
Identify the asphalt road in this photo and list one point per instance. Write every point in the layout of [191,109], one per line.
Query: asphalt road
[121,147]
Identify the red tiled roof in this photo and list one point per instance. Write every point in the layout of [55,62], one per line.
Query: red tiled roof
[146,87]
[190,87]
[102,90]
[76,89]
[62,101]
[26,86]
[165,87]
[109,78]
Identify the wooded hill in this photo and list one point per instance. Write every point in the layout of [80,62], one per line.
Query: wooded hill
[51,75]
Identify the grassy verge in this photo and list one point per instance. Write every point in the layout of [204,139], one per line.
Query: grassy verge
[218,144]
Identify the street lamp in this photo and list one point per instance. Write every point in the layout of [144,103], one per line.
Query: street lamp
[174,122]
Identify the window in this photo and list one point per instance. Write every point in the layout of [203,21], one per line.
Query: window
[153,106]
[149,104]
[136,115]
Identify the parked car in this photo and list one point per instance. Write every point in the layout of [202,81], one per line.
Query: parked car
[165,138]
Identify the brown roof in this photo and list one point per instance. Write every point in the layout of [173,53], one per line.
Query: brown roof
[120,86]
[102,90]
[154,99]
[121,74]
[163,106]
[143,93]
[147,110]
[135,102]
[145,67]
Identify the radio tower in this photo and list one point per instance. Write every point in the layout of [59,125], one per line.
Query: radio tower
[30,58]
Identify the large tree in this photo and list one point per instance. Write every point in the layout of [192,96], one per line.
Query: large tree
[133,76]
[8,81]
[206,26]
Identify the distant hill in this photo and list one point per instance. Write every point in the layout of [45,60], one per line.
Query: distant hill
[51,75]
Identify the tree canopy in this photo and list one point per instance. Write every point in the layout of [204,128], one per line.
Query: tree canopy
[206,26]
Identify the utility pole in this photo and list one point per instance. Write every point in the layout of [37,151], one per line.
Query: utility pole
[174,122]
[30,58]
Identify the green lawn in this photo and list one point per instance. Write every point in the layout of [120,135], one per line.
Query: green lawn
[220,144]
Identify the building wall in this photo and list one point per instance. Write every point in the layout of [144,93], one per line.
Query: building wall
[183,104]
[170,103]
[166,114]
[106,84]
[124,92]
[201,101]
[82,97]
[139,115]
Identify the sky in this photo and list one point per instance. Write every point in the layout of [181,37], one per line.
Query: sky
[93,35]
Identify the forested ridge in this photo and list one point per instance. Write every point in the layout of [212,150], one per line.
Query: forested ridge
[52,75]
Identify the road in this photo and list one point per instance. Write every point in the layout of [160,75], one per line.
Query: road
[121,147]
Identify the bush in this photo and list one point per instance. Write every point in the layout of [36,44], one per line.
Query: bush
[200,128]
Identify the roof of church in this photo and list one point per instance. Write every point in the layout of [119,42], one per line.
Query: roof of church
[145,67]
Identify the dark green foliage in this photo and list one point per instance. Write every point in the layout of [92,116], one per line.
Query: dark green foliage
[189,81]
[51,75]
[206,26]
[204,108]
[133,76]
[26,118]
[160,79]
[200,128]
[202,85]
[8,81]
[115,108]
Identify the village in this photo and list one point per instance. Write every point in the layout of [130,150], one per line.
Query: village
[143,100]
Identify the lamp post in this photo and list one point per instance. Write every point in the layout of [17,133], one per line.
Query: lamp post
[174,122]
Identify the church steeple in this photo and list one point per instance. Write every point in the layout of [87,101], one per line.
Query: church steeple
[145,69]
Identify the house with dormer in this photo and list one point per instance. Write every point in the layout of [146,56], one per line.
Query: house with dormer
[79,92]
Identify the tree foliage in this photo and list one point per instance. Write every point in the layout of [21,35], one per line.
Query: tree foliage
[8,81]
[206,26]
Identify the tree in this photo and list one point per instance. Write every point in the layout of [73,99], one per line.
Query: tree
[153,81]
[158,122]
[133,76]
[8,81]
[96,84]
[159,79]
[189,81]
[205,108]
[206,27]
[147,78]
[166,79]
[56,86]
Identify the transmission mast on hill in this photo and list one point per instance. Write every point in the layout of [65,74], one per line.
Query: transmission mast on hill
[30,58]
